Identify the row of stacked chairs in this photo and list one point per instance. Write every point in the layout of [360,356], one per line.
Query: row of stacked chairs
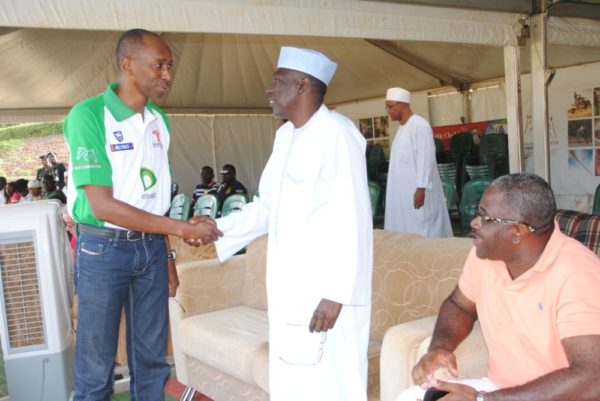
[206,205]
[467,171]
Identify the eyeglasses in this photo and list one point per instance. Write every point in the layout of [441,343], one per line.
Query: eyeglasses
[485,219]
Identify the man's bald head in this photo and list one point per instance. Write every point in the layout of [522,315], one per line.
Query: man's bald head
[130,42]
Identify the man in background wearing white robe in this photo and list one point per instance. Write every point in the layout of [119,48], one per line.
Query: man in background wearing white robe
[314,203]
[415,200]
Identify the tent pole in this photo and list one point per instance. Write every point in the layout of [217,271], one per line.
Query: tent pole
[512,77]
[539,90]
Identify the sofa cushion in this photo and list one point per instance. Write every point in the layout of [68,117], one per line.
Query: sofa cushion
[254,292]
[228,340]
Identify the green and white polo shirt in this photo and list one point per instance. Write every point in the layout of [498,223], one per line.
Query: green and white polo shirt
[111,145]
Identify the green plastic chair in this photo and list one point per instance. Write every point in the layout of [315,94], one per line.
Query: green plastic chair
[450,195]
[596,207]
[469,201]
[374,192]
[439,146]
[233,203]
[461,143]
[207,205]
[375,156]
[480,171]
[180,207]
[492,144]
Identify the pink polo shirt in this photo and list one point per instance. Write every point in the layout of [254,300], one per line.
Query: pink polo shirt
[524,320]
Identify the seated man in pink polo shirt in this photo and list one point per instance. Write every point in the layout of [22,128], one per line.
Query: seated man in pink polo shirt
[535,293]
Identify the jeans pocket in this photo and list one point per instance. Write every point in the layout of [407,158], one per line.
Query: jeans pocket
[93,247]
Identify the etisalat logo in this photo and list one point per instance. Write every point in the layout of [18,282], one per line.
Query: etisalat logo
[148,181]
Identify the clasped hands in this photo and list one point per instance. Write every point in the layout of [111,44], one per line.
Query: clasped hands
[424,370]
[201,230]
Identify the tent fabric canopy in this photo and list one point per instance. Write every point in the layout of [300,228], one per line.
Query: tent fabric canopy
[58,52]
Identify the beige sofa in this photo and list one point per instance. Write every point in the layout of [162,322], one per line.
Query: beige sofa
[219,322]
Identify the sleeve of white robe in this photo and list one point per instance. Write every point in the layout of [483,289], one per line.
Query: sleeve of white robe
[424,149]
[347,226]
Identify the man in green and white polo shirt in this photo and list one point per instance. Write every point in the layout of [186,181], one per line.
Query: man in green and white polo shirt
[119,191]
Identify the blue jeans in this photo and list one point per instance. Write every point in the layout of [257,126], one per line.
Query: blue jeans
[112,274]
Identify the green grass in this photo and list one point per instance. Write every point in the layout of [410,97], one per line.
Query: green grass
[30,130]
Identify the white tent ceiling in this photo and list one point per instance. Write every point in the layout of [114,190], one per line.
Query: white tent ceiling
[57,52]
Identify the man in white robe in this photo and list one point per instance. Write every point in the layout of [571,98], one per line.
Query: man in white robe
[314,203]
[415,200]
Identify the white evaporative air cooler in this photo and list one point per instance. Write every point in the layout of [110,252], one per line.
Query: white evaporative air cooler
[35,302]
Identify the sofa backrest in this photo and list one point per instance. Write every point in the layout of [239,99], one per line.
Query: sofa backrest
[412,276]
[584,227]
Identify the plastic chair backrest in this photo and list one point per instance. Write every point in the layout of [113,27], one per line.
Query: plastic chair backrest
[375,156]
[375,192]
[207,205]
[469,200]
[450,194]
[439,147]
[480,171]
[461,143]
[180,207]
[596,206]
[491,145]
[233,203]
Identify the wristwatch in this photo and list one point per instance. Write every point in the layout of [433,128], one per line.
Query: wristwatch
[172,255]
[480,396]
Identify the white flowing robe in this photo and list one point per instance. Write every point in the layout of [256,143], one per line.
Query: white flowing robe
[412,166]
[314,203]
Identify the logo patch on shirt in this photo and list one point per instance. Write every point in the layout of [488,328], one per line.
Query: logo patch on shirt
[118,135]
[148,178]
[86,155]
[156,143]
[117,147]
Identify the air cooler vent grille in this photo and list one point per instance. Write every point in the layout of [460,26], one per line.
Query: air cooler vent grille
[22,302]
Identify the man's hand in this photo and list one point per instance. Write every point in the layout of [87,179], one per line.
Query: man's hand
[173,279]
[456,392]
[325,316]
[424,370]
[419,198]
[201,230]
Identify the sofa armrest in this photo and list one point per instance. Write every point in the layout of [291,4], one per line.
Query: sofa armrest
[398,355]
[207,285]
[405,343]
[204,286]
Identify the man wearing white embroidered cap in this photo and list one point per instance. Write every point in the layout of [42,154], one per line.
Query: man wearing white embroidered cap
[414,196]
[314,203]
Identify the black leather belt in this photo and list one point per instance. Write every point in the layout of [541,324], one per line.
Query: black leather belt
[114,233]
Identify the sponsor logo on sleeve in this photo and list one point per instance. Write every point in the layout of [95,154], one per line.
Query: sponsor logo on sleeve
[85,159]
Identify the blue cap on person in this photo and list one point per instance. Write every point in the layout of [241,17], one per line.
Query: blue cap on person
[308,61]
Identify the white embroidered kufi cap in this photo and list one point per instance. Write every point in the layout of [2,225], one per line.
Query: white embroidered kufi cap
[398,95]
[307,61]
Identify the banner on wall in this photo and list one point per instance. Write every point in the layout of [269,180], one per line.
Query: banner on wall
[445,132]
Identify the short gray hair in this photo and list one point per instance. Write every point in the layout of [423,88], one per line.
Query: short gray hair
[530,196]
